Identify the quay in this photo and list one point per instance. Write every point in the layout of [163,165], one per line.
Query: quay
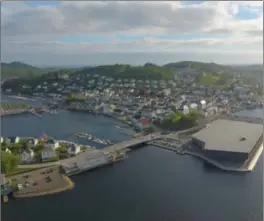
[181,142]
[97,158]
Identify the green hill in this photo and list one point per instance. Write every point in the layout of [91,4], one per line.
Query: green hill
[199,67]
[20,70]
[127,71]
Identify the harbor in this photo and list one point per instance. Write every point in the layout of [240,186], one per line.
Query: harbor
[34,111]
[92,138]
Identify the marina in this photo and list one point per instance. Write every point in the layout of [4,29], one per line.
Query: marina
[92,138]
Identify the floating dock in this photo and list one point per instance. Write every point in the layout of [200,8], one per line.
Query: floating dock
[92,138]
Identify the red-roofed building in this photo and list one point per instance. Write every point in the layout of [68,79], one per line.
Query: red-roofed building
[142,124]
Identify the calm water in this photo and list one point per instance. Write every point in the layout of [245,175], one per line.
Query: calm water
[152,184]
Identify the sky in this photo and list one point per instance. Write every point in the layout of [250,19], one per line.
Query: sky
[55,33]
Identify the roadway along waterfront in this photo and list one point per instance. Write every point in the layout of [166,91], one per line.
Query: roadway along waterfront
[151,184]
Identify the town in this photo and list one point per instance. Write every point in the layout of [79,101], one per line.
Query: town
[156,110]
[142,102]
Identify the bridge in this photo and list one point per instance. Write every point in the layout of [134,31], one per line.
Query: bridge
[131,143]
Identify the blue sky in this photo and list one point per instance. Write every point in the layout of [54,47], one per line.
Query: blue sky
[214,30]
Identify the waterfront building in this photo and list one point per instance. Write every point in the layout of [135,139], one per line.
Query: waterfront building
[51,144]
[74,149]
[13,140]
[233,140]
[27,155]
[31,143]
[48,153]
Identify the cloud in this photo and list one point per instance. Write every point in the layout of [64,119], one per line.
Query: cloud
[214,26]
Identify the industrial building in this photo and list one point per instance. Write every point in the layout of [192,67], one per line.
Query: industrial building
[232,139]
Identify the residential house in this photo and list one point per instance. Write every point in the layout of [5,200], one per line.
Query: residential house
[193,106]
[51,144]
[185,109]
[27,155]
[31,143]
[142,124]
[7,150]
[14,140]
[48,153]
[203,104]
[74,149]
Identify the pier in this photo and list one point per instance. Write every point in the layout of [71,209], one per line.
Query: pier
[92,138]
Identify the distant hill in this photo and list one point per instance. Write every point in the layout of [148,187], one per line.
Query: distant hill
[20,70]
[252,71]
[198,67]
[255,70]
[127,71]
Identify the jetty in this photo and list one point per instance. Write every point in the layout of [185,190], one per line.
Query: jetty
[92,138]
[33,111]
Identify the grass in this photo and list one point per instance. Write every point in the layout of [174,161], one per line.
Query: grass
[20,171]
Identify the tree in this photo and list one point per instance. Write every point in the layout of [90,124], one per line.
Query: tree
[38,149]
[16,148]
[9,162]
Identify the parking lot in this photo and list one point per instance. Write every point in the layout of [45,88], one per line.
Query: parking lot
[39,182]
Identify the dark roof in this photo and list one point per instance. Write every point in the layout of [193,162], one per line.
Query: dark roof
[12,139]
[50,141]
[31,141]
[73,147]
[230,135]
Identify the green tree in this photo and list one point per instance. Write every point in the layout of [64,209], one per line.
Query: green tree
[16,148]
[38,149]
[9,162]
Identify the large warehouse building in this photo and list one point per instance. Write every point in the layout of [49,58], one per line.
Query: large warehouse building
[230,139]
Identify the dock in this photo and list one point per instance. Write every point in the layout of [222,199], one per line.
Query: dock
[32,111]
[97,158]
[92,138]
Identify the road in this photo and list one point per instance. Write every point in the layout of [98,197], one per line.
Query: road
[113,148]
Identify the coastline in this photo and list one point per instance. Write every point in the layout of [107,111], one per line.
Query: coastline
[69,185]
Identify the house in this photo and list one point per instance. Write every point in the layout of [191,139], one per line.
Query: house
[48,153]
[31,143]
[51,143]
[13,140]
[193,106]
[2,140]
[7,150]
[185,109]
[74,149]
[27,155]
[142,124]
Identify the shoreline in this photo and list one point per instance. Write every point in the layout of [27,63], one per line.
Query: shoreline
[70,185]
[40,182]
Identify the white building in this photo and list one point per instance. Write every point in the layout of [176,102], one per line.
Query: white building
[51,144]
[203,104]
[193,106]
[31,143]
[27,155]
[167,91]
[73,150]
[186,109]
[48,153]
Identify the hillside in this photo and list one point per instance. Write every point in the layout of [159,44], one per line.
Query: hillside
[127,71]
[19,69]
[198,67]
